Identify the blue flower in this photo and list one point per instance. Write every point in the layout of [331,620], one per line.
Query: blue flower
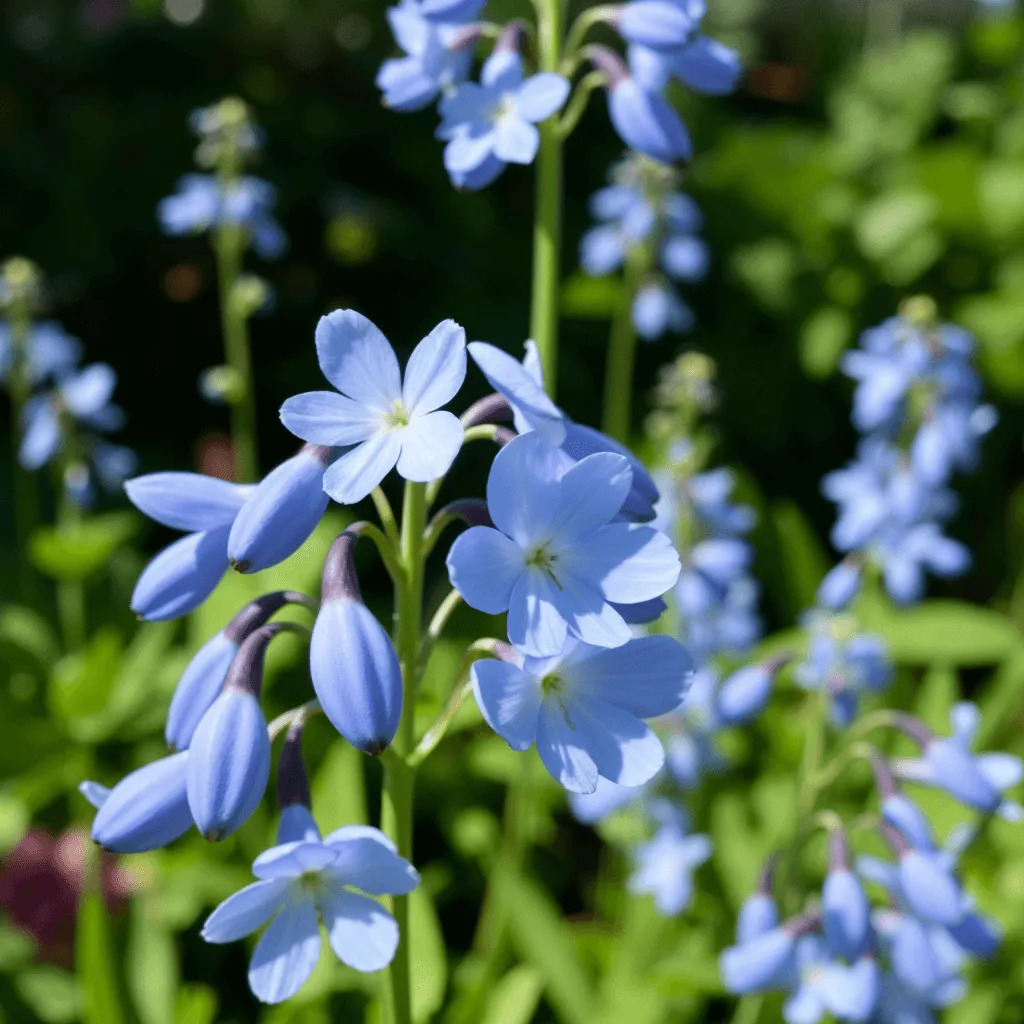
[183,575]
[50,353]
[825,985]
[665,864]
[647,122]
[303,882]
[496,120]
[145,810]
[605,800]
[691,750]
[202,202]
[660,24]
[583,707]
[556,558]
[745,694]
[977,780]
[845,914]
[449,11]
[199,686]
[760,963]
[380,420]
[657,309]
[438,56]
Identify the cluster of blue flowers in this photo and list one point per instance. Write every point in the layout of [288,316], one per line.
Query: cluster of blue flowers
[66,408]
[649,226]
[227,197]
[563,544]
[918,406]
[491,123]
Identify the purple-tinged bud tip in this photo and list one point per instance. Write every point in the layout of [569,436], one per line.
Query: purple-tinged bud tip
[511,37]
[490,409]
[472,511]
[609,63]
[292,779]
[340,580]
[503,435]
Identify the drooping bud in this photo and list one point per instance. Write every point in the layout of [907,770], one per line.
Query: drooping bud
[745,693]
[759,914]
[760,963]
[146,809]
[489,409]
[840,585]
[282,512]
[229,764]
[201,682]
[353,664]
[293,797]
[844,906]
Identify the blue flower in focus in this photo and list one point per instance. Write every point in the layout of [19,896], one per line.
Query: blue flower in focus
[977,780]
[381,420]
[843,663]
[202,203]
[438,57]
[494,123]
[306,881]
[557,557]
[584,707]
[665,864]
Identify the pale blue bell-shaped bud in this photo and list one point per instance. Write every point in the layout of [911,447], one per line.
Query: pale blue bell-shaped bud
[352,661]
[146,809]
[745,693]
[229,763]
[845,911]
[203,679]
[282,511]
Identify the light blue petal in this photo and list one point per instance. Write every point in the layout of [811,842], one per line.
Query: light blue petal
[516,140]
[510,378]
[628,562]
[294,859]
[602,250]
[744,694]
[297,825]
[591,495]
[241,914]
[89,390]
[356,473]
[187,501]
[558,744]
[509,699]
[358,360]
[625,750]
[182,576]
[651,68]
[41,435]
[592,808]
[406,85]
[648,123]
[657,23]
[685,258]
[436,369]
[648,676]
[325,417]
[1004,771]
[965,719]
[757,965]
[356,674]
[535,624]
[429,446]
[845,914]
[976,935]
[198,688]
[588,615]
[368,861]
[502,71]
[285,956]
[229,764]
[361,932]
[281,514]
[483,566]
[804,1006]
[524,488]
[902,813]
[757,915]
[542,95]
[931,889]
[851,992]
[469,149]
[95,793]
[709,67]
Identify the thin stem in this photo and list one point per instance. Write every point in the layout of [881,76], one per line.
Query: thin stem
[587,20]
[26,496]
[578,103]
[433,736]
[444,612]
[480,432]
[389,551]
[386,515]
[300,714]
[547,225]
[748,1010]
[621,360]
[70,593]
[229,244]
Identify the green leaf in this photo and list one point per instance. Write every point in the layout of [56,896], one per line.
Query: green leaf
[27,631]
[591,298]
[428,956]
[152,962]
[95,963]
[826,334]
[803,560]
[52,994]
[338,789]
[939,691]
[514,999]
[16,948]
[1001,197]
[947,632]
[983,1004]
[196,1004]
[79,550]
[540,935]
[892,219]
[81,683]
[768,268]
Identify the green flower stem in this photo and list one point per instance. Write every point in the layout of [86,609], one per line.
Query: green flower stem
[577,105]
[26,497]
[399,775]
[547,224]
[70,593]
[386,515]
[619,366]
[230,243]
[588,19]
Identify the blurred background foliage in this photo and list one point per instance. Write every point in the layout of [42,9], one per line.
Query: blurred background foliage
[870,153]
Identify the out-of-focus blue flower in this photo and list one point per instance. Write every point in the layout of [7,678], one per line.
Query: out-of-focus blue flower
[450,11]
[766,961]
[842,662]
[745,694]
[657,309]
[647,122]
[605,800]
[845,914]
[690,732]
[977,780]
[494,122]
[307,880]
[378,418]
[438,57]
[665,864]
[184,574]
[825,985]
[557,558]
[50,353]
[584,707]
[202,202]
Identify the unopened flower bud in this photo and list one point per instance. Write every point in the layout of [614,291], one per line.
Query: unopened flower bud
[844,906]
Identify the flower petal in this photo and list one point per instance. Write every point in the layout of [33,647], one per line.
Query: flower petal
[541,95]
[588,615]
[628,562]
[187,501]
[523,487]
[562,753]
[361,932]
[359,471]
[535,624]
[483,566]
[509,699]
[245,911]
[592,493]
[516,140]
[368,862]
[429,446]
[285,956]
[436,369]
[325,417]
[358,360]
[182,576]
[290,860]
[624,748]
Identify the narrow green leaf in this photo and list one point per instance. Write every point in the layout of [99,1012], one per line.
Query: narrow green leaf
[29,632]
[53,994]
[428,956]
[939,691]
[152,963]
[514,999]
[80,550]
[196,1004]
[95,962]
